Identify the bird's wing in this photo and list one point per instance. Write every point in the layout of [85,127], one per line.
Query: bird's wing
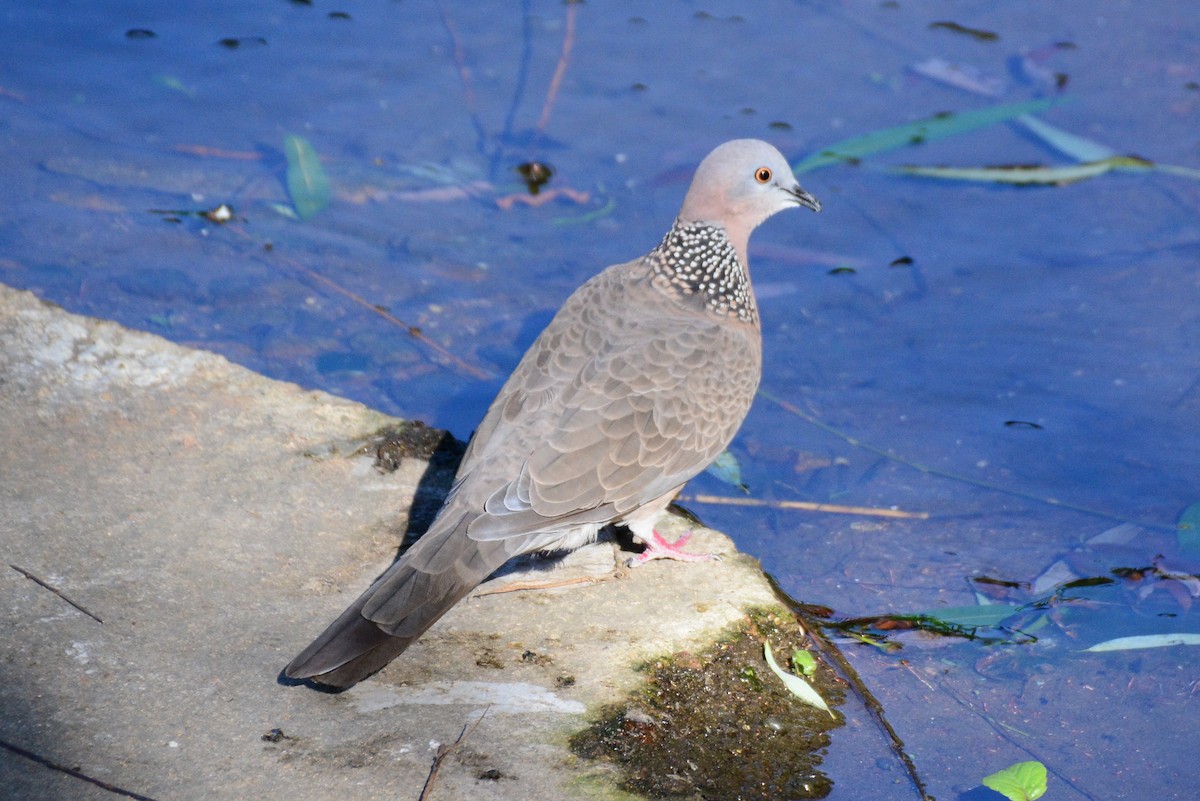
[623,398]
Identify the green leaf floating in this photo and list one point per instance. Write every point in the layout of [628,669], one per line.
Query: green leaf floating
[306,182]
[1070,145]
[1031,175]
[937,127]
[1188,530]
[803,662]
[970,616]
[1024,781]
[726,468]
[796,685]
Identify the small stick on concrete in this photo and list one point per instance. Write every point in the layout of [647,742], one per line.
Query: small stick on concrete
[445,751]
[56,591]
[41,760]
[551,584]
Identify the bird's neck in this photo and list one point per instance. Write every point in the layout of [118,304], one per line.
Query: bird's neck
[697,259]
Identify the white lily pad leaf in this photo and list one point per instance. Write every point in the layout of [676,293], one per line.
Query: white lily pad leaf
[796,685]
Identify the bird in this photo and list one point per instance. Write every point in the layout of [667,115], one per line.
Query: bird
[640,380]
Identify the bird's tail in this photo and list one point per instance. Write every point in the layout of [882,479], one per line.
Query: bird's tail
[436,573]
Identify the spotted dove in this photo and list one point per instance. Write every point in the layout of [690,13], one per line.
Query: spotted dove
[635,386]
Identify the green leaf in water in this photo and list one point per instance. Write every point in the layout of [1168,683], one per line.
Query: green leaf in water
[174,84]
[1030,175]
[1069,144]
[937,127]
[803,662]
[284,210]
[1146,641]
[796,685]
[1024,781]
[1087,151]
[306,182]
[726,468]
[1187,530]
[971,616]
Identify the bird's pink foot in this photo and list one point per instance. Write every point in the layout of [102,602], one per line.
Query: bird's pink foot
[659,548]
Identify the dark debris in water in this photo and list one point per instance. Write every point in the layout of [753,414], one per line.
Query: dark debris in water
[237,42]
[974,33]
[719,725]
[536,174]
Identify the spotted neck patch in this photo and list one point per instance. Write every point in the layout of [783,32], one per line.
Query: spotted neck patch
[698,259]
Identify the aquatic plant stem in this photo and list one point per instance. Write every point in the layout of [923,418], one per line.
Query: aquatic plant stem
[560,70]
[792,408]
[1002,730]
[415,332]
[832,653]
[464,76]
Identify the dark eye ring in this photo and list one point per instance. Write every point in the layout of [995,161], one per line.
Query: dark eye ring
[762,175]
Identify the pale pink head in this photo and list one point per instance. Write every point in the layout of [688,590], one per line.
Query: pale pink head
[740,184]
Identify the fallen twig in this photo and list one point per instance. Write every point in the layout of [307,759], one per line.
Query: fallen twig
[550,584]
[41,760]
[57,592]
[805,505]
[445,751]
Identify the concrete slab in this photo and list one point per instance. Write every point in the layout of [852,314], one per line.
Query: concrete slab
[186,503]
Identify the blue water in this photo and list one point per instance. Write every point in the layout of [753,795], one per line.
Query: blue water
[1070,308]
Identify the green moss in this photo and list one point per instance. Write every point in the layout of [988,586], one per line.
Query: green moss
[719,725]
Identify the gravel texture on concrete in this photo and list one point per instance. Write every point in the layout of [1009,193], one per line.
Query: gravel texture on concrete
[202,512]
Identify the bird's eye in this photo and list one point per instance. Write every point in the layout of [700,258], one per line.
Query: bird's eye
[762,175]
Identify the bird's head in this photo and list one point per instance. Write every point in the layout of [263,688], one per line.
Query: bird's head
[740,184]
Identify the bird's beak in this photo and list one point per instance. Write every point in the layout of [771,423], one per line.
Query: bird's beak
[803,198]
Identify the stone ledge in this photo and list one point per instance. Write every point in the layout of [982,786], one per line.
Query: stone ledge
[169,493]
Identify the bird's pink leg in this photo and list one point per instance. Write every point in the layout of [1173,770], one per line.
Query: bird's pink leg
[659,548]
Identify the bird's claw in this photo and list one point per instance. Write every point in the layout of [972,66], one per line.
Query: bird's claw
[659,548]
